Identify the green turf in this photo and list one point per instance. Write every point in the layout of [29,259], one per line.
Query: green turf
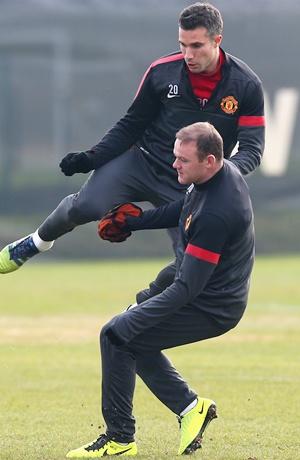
[50,316]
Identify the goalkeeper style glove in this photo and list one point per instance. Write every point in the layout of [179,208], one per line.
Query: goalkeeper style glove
[76,163]
[113,226]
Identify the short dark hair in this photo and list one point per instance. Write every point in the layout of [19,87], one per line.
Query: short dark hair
[207,139]
[202,15]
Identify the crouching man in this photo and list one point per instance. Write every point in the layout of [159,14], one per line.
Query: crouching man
[207,297]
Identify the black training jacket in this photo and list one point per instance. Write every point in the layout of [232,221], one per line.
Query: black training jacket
[165,102]
[214,255]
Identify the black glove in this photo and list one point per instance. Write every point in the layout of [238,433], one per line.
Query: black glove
[75,163]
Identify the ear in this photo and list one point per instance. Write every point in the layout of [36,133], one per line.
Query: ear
[210,160]
[218,40]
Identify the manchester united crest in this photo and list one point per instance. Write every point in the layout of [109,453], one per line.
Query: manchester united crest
[229,104]
[188,222]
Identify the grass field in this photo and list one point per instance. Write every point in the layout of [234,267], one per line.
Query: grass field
[50,317]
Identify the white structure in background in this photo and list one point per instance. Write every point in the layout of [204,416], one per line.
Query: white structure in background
[280,127]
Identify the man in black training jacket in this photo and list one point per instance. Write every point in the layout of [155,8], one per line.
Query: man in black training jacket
[207,297]
[133,161]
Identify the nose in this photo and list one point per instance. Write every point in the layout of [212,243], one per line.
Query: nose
[175,164]
[189,53]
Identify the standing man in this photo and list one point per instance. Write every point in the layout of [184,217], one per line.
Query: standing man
[133,162]
[208,296]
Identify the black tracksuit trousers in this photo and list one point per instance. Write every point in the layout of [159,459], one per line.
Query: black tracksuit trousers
[143,356]
[129,177]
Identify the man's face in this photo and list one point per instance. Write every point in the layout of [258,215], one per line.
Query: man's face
[187,164]
[200,51]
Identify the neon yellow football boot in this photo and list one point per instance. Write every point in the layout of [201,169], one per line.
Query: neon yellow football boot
[194,423]
[102,447]
[15,254]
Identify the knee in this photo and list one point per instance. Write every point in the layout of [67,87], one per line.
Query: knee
[107,335]
[82,210]
[103,332]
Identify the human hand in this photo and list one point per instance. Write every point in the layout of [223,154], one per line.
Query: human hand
[75,163]
[113,226]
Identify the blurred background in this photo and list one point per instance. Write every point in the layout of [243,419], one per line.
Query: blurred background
[69,70]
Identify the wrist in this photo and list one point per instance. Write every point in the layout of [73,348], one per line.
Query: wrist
[131,223]
[92,158]
[85,164]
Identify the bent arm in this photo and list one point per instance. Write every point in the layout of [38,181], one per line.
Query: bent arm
[166,216]
[251,130]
